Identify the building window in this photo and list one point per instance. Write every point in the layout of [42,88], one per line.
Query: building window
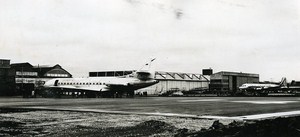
[19,73]
[56,75]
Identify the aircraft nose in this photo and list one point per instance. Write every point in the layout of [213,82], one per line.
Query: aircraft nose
[48,83]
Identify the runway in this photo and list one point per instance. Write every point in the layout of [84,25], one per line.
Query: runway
[243,108]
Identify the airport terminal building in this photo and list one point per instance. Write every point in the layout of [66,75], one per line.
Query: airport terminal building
[168,81]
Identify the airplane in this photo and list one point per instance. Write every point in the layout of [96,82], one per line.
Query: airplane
[259,86]
[293,87]
[105,86]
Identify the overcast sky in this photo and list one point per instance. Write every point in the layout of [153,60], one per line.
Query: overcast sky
[252,36]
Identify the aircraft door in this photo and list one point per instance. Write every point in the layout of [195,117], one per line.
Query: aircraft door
[56,83]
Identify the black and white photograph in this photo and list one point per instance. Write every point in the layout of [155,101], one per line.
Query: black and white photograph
[150,68]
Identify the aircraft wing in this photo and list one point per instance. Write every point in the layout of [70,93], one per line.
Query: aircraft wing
[117,86]
[254,88]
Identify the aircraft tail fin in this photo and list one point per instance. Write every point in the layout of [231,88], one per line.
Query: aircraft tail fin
[145,73]
[147,66]
[283,82]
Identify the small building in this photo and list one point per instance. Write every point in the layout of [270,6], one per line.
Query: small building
[228,82]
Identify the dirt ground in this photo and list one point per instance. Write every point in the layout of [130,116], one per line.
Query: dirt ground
[25,122]
[22,122]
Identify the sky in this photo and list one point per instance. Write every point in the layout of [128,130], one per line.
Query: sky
[251,36]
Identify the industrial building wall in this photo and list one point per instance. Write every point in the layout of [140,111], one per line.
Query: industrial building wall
[243,80]
[230,83]
[216,76]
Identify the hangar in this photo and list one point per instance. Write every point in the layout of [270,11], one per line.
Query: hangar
[168,81]
[28,77]
[223,83]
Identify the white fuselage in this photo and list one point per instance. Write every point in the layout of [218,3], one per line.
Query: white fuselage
[99,83]
[257,86]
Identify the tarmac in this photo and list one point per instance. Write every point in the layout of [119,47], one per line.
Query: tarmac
[202,107]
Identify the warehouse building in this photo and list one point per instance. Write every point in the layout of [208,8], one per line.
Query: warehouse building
[228,82]
[168,81]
